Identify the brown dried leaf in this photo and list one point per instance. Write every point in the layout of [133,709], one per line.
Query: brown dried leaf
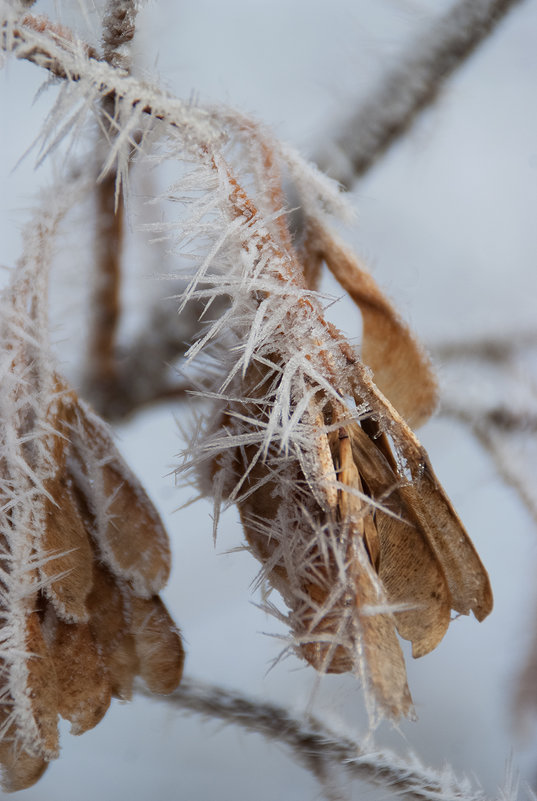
[80,647]
[135,534]
[136,636]
[20,768]
[412,577]
[386,671]
[123,666]
[353,530]
[426,505]
[466,577]
[107,610]
[389,512]
[401,368]
[331,613]
[409,569]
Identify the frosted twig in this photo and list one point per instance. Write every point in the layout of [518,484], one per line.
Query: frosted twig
[118,31]
[101,375]
[500,418]
[409,88]
[390,111]
[39,41]
[490,437]
[101,379]
[495,424]
[488,349]
[311,739]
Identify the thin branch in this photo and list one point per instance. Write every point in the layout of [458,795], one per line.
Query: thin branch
[499,418]
[413,85]
[40,49]
[309,739]
[105,304]
[118,31]
[489,436]
[56,49]
[101,378]
[489,349]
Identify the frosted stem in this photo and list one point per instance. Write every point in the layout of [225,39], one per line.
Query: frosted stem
[314,743]
[410,87]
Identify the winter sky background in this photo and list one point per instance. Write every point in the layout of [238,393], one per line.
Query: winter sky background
[446,222]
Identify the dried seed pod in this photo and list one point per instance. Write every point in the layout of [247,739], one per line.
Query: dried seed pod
[336,495]
[76,635]
[81,544]
[42,685]
[401,369]
[82,679]
[67,573]
[19,768]
[158,645]
[126,526]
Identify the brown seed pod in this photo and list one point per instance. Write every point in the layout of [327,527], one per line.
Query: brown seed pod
[336,495]
[126,526]
[90,626]
[83,681]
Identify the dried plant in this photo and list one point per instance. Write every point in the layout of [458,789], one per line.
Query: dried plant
[337,499]
[84,553]
[310,439]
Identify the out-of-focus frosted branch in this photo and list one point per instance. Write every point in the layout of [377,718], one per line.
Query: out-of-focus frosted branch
[497,422]
[311,740]
[118,31]
[102,374]
[491,433]
[488,349]
[409,88]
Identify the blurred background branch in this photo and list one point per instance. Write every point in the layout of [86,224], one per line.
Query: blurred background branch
[318,748]
[409,88]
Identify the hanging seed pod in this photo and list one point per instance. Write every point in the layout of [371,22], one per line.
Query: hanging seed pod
[83,551]
[336,495]
[90,618]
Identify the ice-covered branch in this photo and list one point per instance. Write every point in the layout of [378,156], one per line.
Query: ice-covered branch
[410,87]
[494,349]
[503,419]
[101,377]
[54,48]
[386,116]
[118,31]
[309,738]
[492,432]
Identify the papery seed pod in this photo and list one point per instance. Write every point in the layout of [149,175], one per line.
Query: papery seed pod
[89,628]
[19,768]
[84,685]
[81,544]
[67,572]
[158,646]
[126,527]
[336,495]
